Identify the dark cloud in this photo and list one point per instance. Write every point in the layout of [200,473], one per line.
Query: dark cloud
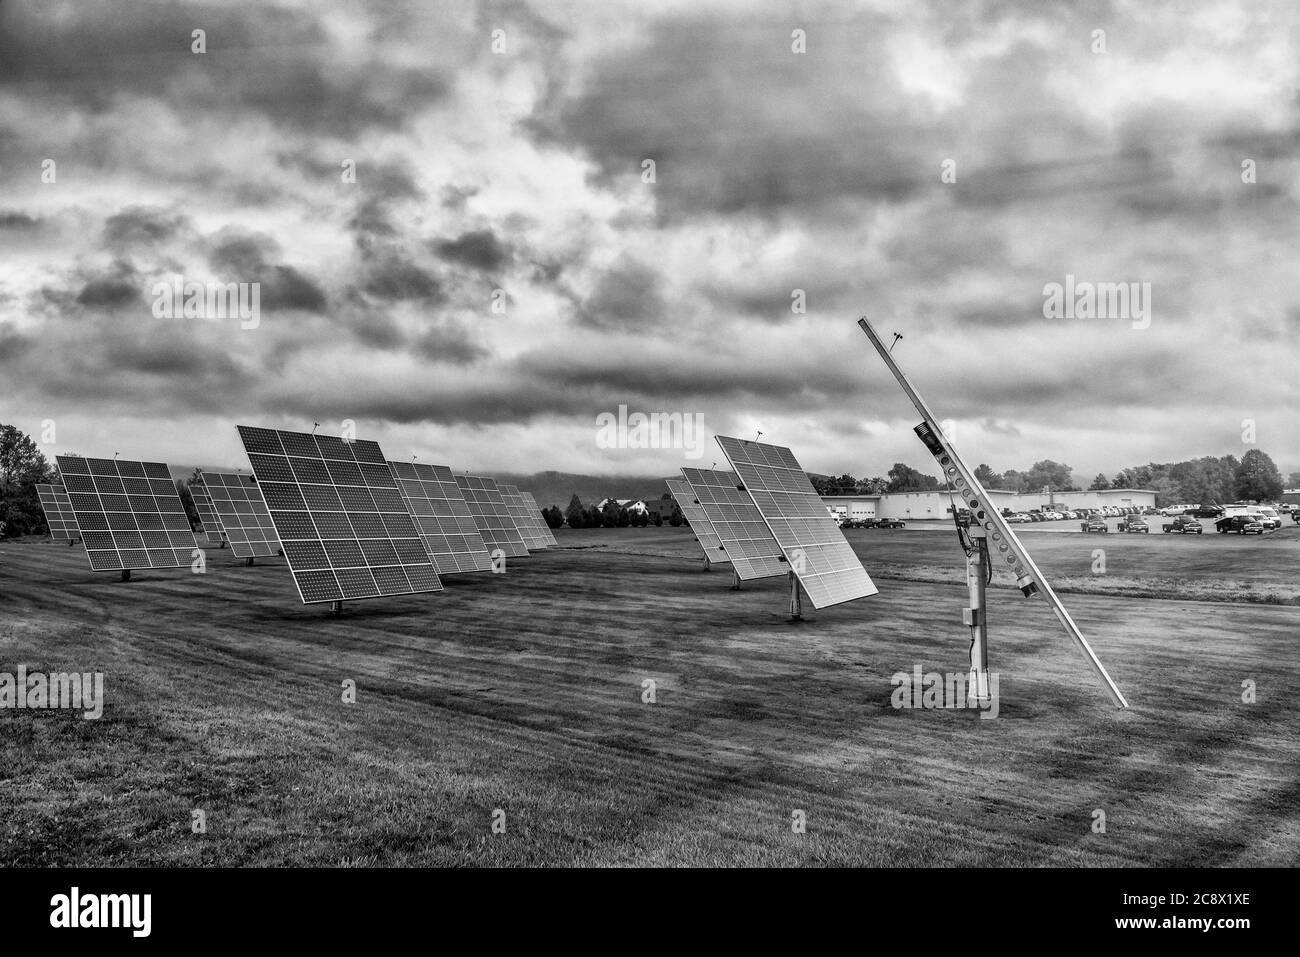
[244,257]
[397,279]
[273,60]
[18,222]
[479,248]
[137,226]
[626,297]
[450,342]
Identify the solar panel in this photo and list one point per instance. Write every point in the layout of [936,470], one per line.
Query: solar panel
[812,543]
[242,514]
[740,528]
[547,535]
[491,515]
[58,513]
[344,526]
[523,518]
[129,513]
[684,496]
[207,515]
[449,531]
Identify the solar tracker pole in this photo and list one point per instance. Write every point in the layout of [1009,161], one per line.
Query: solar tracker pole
[735,579]
[126,574]
[977,567]
[796,601]
[1028,576]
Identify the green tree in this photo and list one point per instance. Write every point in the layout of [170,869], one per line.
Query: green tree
[1257,478]
[1054,475]
[553,517]
[987,477]
[1100,483]
[1293,480]
[904,478]
[677,519]
[22,467]
[575,514]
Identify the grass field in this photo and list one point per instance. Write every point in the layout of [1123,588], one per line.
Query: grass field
[523,692]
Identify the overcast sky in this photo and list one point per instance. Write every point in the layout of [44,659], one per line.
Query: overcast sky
[522,171]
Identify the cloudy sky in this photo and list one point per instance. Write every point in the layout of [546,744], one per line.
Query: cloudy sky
[516,164]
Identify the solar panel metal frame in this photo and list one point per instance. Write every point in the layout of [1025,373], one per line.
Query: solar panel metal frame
[814,546]
[545,530]
[242,515]
[59,515]
[523,518]
[129,512]
[737,522]
[207,515]
[488,507]
[709,541]
[346,531]
[443,517]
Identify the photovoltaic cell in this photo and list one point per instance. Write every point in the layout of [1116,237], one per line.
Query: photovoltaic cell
[207,515]
[130,513]
[740,528]
[448,529]
[342,541]
[684,496]
[812,543]
[58,513]
[547,535]
[523,518]
[491,515]
[242,514]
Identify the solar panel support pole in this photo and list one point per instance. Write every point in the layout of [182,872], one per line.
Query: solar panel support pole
[126,574]
[1028,576]
[796,601]
[336,608]
[977,568]
[735,579]
[708,565]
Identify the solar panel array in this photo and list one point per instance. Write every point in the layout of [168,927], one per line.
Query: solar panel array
[812,543]
[58,513]
[491,516]
[524,518]
[547,535]
[207,515]
[448,529]
[242,514]
[344,526]
[129,513]
[700,525]
[736,521]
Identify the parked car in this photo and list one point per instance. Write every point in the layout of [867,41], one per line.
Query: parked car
[1295,516]
[1241,524]
[1184,525]
[890,523]
[1274,520]
[1020,518]
[1095,524]
[1134,523]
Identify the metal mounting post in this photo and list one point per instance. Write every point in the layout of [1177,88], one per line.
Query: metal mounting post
[248,562]
[735,579]
[796,601]
[976,617]
[126,574]
[336,608]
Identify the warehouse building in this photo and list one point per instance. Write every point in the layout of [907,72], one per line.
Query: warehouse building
[918,506]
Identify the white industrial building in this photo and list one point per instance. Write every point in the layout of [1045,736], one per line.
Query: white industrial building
[938,505]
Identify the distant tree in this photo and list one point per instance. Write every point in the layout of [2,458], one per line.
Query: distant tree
[1054,475]
[623,518]
[1014,481]
[1100,483]
[576,515]
[553,517]
[872,486]
[1293,480]
[987,477]
[1121,479]
[1257,478]
[677,519]
[1168,492]
[904,478]
[187,499]
[22,467]
[657,518]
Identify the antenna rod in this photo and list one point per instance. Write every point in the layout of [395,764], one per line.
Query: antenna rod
[1008,547]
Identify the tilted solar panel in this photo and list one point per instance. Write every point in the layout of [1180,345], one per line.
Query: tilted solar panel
[449,531]
[129,513]
[547,535]
[491,515]
[684,496]
[242,513]
[523,518]
[344,526]
[58,513]
[812,543]
[740,528]
[207,515]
